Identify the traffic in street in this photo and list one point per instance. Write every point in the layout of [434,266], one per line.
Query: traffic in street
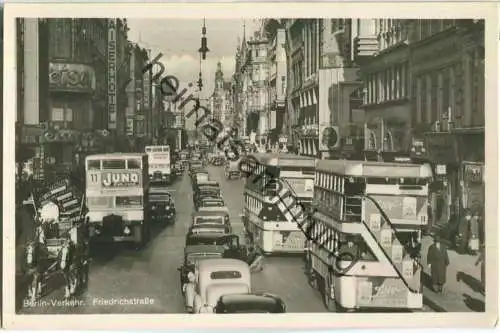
[125,280]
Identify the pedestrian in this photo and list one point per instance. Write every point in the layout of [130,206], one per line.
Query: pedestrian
[481,260]
[453,227]
[437,262]
[474,232]
[464,232]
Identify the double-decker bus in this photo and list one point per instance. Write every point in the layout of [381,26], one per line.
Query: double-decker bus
[117,195]
[266,225]
[159,168]
[365,234]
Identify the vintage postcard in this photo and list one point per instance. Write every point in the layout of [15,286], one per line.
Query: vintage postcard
[323,163]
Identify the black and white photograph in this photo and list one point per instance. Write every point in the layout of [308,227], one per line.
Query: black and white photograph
[246,165]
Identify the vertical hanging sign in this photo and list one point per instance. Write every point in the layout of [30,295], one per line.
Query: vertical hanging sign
[146,86]
[111,74]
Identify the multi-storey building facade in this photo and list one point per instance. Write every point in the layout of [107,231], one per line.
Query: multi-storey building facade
[448,71]
[386,76]
[424,98]
[62,80]
[274,32]
[323,79]
[252,87]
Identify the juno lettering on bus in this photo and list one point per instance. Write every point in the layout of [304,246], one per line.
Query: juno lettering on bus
[111,179]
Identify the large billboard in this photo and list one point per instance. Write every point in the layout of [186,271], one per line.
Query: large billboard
[112,74]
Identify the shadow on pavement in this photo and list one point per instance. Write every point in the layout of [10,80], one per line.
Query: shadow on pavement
[471,281]
[473,303]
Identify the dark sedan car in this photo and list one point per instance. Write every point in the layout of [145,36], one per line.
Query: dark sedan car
[250,303]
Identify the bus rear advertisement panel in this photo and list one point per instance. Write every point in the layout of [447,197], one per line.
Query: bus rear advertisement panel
[399,209]
[381,292]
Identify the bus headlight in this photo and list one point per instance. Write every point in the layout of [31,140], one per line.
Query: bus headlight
[126,231]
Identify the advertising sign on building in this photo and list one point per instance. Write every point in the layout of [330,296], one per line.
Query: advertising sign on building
[112,74]
[71,77]
[146,87]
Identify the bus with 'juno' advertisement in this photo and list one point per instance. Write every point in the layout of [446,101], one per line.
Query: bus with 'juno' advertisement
[159,168]
[117,196]
[267,226]
[365,234]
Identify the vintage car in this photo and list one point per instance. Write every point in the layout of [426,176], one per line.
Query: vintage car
[201,179]
[210,228]
[202,191]
[213,278]
[218,160]
[222,210]
[232,170]
[217,217]
[250,303]
[195,166]
[197,252]
[209,201]
[178,168]
[161,204]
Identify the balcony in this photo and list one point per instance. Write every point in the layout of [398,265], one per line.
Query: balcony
[365,47]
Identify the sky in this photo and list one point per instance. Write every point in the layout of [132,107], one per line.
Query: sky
[180,39]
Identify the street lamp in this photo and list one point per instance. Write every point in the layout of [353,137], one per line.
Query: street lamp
[203,49]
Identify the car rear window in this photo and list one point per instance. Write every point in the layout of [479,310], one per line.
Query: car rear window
[220,275]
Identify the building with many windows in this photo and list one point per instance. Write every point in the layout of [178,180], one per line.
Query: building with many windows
[386,78]
[448,78]
[274,32]
[323,81]
[424,98]
[251,77]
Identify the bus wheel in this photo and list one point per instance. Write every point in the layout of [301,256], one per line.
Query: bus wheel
[327,293]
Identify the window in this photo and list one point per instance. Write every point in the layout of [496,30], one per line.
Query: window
[353,247]
[113,164]
[134,164]
[93,165]
[57,114]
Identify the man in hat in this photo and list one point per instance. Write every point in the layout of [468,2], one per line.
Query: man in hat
[437,262]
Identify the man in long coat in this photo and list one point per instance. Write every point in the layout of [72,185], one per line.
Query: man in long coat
[437,261]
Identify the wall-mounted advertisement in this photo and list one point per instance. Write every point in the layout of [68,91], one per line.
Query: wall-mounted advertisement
[71,77]
[111,74]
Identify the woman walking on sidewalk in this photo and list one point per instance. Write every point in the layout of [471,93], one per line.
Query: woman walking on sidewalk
[437,262]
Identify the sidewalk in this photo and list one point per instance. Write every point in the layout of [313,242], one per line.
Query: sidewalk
[463,282]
